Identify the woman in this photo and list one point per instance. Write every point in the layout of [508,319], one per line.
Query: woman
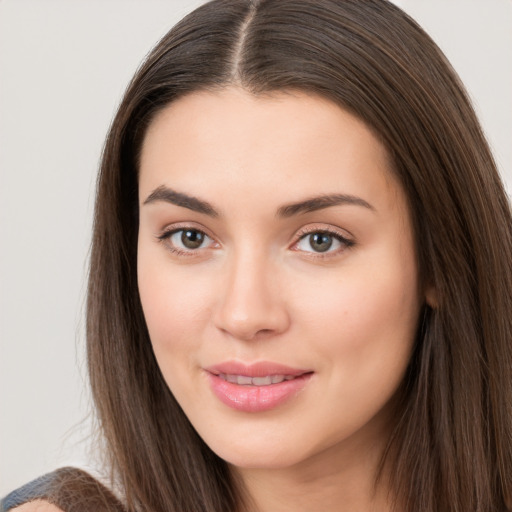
[300,278]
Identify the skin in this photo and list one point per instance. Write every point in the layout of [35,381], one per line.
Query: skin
[37,506]
[257,290]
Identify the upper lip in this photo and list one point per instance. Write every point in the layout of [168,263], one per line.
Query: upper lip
[259,369]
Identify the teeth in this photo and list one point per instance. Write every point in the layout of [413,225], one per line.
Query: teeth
[243,380]
[261,381]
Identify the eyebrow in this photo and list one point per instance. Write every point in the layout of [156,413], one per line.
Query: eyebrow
[321,202]
[163,193]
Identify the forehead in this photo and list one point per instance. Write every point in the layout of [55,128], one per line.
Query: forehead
[284,146]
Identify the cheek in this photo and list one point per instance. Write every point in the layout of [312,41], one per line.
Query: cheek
[176,309]
[362,330]
[364,322]
[176,305]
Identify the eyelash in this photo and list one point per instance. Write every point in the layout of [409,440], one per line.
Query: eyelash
[166,235]
[345,242]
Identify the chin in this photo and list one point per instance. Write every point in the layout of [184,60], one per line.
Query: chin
[259,460]
[264,454]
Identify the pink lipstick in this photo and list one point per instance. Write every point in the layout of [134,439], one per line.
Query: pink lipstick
[256,387]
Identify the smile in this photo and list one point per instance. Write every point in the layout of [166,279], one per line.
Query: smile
[244,380]
[256,387]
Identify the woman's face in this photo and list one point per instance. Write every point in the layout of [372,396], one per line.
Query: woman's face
[277,274]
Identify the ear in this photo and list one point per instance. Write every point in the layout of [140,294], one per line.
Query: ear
[431,296]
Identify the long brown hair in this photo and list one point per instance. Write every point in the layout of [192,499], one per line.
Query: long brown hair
[451,449]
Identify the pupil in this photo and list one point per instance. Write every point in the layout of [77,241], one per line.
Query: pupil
[192,239]
[320,242]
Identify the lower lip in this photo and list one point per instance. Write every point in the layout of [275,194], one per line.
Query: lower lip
[256,398]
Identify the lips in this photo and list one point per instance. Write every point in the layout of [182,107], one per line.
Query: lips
[244,380]
[260,369]
[257,387]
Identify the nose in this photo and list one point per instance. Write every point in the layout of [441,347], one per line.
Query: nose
[251,305]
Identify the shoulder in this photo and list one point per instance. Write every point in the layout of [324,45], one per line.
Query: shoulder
[37,506]
[62,490]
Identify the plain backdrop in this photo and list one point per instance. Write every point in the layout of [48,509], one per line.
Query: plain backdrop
[63,67]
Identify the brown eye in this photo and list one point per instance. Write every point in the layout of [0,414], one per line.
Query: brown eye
[320,242]
[191,238]
[186,240]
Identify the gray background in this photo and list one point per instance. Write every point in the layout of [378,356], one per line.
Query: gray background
[63,67]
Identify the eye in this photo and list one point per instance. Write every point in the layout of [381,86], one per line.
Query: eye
[186,240]
[322,242]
